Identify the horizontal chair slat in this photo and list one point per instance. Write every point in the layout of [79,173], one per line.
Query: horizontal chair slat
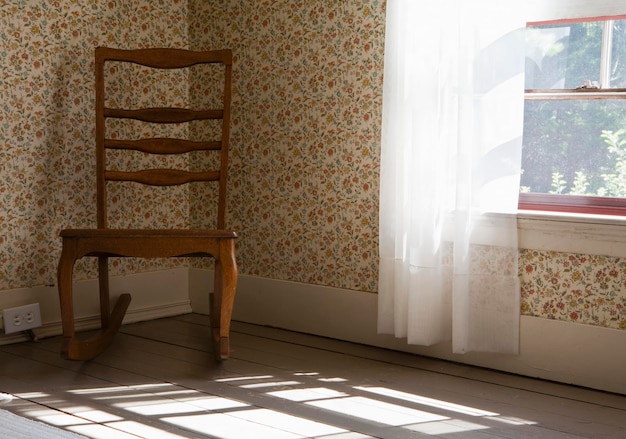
[161,177]
[164,115]
[163,145]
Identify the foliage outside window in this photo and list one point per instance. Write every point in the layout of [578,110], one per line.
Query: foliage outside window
[574,150]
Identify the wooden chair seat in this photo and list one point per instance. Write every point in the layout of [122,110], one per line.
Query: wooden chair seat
[142,243]
[104,242]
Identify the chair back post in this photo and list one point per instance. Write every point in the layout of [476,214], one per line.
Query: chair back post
[101,197]
[221,208]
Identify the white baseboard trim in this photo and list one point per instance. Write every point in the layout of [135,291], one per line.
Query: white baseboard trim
[560,351]
[154,295]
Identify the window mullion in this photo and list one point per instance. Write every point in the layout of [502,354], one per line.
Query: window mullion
[605,59]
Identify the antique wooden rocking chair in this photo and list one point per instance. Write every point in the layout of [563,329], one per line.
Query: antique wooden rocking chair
[104,242]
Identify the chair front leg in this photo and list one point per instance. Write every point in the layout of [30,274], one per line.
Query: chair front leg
[73,347]
[65,271]
[225,287]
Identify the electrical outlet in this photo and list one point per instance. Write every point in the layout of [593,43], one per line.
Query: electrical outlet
[21,318]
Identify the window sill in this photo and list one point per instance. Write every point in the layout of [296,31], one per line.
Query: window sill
[572,232]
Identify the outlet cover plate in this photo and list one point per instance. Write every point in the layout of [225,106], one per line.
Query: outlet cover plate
[21,318]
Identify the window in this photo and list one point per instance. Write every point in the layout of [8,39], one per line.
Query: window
[574,150]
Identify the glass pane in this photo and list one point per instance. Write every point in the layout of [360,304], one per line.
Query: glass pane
[618,55]
[575,147]
[564,55]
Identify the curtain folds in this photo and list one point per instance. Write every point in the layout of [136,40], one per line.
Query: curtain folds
[450,164]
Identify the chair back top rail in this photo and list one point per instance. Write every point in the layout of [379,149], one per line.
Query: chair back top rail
[163,58]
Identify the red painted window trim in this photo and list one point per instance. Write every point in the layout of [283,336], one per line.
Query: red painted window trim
[576,20]
[573,203]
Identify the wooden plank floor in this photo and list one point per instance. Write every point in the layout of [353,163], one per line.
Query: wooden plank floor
[159,380]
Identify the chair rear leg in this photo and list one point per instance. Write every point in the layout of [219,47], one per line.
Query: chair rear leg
[215,304]
[103,282]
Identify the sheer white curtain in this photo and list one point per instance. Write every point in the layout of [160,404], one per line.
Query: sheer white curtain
[450,163]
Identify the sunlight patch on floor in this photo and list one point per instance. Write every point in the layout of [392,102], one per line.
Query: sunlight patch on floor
[115,389]
[244,378]
[471,411]
[144,431]
[169,410]
[332,380]
[300,395]
[167,394]
[513,421]
[405,416]
[99,431]
[377,411]
[270,384]
[258,424]
[446,427]
[61,419]
[171,407]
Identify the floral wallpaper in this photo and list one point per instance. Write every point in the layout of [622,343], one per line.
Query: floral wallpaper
[307,102]
[47,157]
[587,289]
[305,139]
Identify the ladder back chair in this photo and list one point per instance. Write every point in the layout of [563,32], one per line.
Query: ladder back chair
[105,242]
